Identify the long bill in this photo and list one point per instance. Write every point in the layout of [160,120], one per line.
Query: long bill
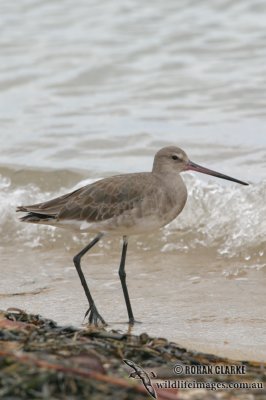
[198,168]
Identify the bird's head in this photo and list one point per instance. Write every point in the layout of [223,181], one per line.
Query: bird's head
[172,159]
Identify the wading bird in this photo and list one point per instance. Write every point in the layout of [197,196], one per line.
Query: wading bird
[124,205]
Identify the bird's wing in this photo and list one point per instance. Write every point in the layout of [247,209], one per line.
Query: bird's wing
[51,207]
[151,391]
[147,383]
[100,200]
[146,379]
[131,364]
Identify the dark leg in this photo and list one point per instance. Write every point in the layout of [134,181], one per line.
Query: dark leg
[122,275]
[92,313]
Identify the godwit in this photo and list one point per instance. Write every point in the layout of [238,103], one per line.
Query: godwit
[123,205]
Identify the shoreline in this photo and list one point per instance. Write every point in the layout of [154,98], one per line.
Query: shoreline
[67,361]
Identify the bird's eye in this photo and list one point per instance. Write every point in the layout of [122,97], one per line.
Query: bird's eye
[175,158]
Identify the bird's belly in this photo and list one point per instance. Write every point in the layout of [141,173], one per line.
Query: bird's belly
[145,224]
[127,224]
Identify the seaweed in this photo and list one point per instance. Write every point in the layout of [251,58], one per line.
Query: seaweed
[41,360]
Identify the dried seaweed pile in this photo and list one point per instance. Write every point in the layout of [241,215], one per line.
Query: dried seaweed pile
[40,360]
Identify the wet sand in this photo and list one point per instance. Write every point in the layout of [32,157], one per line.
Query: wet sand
[218,310]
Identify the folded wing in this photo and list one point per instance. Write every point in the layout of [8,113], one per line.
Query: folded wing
[98,201]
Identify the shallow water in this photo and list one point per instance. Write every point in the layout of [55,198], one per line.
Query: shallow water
[96,89]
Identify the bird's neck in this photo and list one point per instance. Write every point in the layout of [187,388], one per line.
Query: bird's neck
[166,174]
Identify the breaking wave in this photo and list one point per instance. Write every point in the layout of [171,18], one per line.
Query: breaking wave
[228,218]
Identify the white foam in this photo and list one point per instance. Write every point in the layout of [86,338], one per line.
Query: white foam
[227,217]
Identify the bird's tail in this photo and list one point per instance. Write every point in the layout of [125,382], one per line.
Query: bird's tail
[34,217]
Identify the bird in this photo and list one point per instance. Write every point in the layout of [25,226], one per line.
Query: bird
[139,373]
[121,205]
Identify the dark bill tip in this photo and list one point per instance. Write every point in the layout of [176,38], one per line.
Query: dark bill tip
[198,168]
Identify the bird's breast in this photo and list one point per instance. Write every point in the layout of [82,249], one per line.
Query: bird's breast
[155,210]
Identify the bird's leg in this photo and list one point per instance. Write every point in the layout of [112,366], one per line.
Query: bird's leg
[122,275]
[92,313]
